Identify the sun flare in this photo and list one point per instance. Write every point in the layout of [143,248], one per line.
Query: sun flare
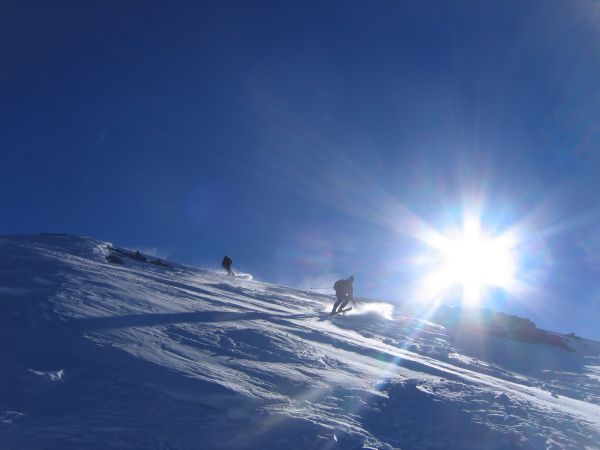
[472,260]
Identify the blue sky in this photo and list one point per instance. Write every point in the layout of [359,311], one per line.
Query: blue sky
[311,140]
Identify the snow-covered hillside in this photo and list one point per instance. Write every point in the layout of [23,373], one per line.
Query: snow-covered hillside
[104,348]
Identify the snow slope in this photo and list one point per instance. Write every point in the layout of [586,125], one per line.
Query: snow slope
[134,353]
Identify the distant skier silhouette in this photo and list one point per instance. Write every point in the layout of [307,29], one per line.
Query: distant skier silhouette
[344,291]
[226,264]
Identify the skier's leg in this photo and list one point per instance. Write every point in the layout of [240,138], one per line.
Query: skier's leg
[344,303]
[336,304]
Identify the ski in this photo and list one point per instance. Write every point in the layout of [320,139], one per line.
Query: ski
[341,311]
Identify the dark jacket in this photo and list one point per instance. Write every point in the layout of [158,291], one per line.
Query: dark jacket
[344,288]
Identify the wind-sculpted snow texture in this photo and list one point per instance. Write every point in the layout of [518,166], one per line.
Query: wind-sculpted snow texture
[131,354]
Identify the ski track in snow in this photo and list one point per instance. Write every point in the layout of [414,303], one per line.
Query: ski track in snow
[101,355]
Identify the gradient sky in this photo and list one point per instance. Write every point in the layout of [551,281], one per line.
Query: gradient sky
[312,140]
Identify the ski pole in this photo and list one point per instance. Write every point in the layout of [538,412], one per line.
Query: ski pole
[315,288]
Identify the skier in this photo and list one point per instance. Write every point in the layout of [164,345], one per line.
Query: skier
[344,292]
[226,264]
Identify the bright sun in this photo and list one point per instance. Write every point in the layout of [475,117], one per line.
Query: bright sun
[471,260]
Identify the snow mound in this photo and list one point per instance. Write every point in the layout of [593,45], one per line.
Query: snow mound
[49,375]
[104,348]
